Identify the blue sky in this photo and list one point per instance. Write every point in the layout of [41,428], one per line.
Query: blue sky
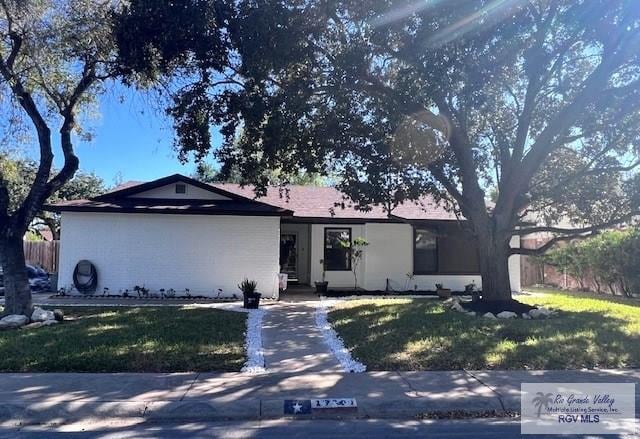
[130,138]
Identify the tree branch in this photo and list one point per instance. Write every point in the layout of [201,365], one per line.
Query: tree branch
[438,174]
[4,202]
[545,143]
[548,245]
[574,231]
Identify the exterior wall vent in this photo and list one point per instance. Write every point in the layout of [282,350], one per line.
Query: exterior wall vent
[181,188]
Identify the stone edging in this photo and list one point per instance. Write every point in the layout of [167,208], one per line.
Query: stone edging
[335,343]
[255,354]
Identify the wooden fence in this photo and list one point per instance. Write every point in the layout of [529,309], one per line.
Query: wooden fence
[43,253]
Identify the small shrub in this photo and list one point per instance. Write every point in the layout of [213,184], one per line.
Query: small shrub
[248,286]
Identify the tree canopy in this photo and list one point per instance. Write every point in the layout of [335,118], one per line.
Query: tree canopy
[537,101]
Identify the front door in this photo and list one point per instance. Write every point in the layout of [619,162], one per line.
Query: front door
[289,255]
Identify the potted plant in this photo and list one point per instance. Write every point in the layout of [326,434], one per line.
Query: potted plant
[322,287]
[470,290]
[443,293]
[249,293]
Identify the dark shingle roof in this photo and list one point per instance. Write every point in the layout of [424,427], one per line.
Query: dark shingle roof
[321,201]
[298,202]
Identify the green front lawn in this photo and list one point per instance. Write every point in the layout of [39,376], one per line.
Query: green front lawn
[163,339]
[404,334]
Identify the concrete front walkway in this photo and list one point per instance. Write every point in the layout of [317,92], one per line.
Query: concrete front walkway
[184,397]
[291,341]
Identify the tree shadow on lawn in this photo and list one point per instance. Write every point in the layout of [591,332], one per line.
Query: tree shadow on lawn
[129,340]
[427,337]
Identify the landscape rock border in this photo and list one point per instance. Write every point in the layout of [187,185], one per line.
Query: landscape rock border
[335,343]
[255,355]
[13,321]
[39,317]
[539,313]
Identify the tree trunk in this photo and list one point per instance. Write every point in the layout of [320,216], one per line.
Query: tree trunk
[494,268]
[16,283]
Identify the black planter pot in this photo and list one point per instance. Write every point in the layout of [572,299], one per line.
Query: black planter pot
[252,301]
[322,287]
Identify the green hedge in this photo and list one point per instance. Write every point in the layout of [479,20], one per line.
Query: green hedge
[611,260]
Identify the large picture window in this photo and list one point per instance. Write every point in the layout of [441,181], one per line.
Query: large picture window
[444,249]
[337,257]
[425,251]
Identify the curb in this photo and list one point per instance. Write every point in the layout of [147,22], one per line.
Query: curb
[246,409]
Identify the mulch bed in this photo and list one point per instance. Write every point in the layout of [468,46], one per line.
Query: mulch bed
[497,306]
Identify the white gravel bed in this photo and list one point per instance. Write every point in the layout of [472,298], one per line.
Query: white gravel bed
[333,340]
[255,355]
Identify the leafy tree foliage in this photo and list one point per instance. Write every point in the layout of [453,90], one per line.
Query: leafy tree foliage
[54,56]
[210,174]
[538,100]
[19,174]
[610,260]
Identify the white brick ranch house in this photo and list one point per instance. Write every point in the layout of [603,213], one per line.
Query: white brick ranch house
[176,232]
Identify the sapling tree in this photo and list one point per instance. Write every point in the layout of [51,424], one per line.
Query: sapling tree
[356,253]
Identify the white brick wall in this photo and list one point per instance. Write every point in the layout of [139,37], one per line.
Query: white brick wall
[336,279]
[390,255]
[202,253]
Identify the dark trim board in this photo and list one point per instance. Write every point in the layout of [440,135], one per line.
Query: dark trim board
[158,211]
[324,220]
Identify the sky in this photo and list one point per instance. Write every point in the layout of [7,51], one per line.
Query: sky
[131,140]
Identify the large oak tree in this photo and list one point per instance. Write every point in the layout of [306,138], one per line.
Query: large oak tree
[537,101]
[54,56]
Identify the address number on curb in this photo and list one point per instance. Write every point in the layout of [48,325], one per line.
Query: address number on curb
[333,403]
[308,406]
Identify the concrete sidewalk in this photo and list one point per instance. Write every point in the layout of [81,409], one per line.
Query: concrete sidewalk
[63,398]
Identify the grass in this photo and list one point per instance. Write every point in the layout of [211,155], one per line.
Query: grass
[404,334]
[167,339]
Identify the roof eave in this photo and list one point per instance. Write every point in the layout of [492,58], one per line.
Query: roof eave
[165,211]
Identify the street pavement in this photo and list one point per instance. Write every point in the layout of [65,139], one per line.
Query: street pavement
[277,429]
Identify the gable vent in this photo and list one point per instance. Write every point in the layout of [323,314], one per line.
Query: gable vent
[181,188]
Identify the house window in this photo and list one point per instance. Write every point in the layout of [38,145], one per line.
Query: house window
[181,188]
[425,251]
[337,257]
